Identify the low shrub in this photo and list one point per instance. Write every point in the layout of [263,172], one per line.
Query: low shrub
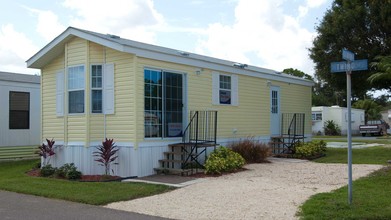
[252,151]
[223,160]
[69,171]
[47,170]
[310,149]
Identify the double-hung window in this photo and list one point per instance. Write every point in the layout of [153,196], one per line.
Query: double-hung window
[96,88]
[76,89]
[225,89]
[19,110]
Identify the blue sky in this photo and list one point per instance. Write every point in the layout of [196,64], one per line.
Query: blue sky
[274,34]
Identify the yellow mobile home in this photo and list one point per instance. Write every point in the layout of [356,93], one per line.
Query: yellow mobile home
[148,98]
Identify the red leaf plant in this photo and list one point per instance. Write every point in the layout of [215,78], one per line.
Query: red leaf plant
[106,154]
[46,151]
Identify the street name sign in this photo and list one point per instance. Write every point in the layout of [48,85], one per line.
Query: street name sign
[344,66]
[347,55]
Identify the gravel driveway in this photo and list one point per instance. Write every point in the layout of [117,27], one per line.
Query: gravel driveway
[265,191]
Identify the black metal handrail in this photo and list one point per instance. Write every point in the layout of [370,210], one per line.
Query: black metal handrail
[200,132]
[292,131]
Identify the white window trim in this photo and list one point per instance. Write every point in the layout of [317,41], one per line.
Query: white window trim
[101,88]
[216,89]
[72,90]
[184,102]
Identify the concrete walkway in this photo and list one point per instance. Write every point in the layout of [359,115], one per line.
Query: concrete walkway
[21,206]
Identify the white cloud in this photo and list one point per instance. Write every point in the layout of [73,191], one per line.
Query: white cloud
[308,5]
[134,19]
[15,49]
[48,25]
[261,35]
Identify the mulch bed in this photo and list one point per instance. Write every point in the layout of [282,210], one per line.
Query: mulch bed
[84,178]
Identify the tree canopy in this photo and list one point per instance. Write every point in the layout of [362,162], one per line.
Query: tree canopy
[298,73]
[361,26]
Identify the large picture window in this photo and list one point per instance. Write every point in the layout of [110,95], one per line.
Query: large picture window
[76,89]
[96,88]
[163,104]
[19,110]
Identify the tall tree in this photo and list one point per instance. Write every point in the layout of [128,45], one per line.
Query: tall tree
[382,68]
[361,26]
[372,110]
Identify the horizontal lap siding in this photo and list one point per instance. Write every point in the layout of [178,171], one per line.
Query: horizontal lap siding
[52,126]
[76,52]
[297,99]
[251,117]
[121,125]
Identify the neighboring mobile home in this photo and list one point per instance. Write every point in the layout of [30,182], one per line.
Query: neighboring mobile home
[97,85]
[20,109]
[321,114]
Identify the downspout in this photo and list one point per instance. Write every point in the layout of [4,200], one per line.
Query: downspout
[104,109]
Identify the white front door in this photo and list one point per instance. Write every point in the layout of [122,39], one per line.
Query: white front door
[274,110]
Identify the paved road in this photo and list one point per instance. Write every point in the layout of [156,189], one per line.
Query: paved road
[20,206]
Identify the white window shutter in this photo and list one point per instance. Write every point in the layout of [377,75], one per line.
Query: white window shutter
[235,90]
[215,88]
[108,89]
[60,93]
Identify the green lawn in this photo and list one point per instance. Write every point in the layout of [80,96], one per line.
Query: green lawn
[371,200]
[372,155]
[13,178]
[371,194]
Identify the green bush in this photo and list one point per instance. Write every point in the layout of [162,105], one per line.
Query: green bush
[47,170]
[331,128]
[252,151]
[223,160]
[311,149]
[69,171]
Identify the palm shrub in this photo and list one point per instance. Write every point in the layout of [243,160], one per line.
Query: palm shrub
[331,128]
[106,154]
[223,160]
[252,151]
[46,151]
[310,150]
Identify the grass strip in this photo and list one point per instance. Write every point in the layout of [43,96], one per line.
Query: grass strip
[371,155]
[14,178]
[371,200]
